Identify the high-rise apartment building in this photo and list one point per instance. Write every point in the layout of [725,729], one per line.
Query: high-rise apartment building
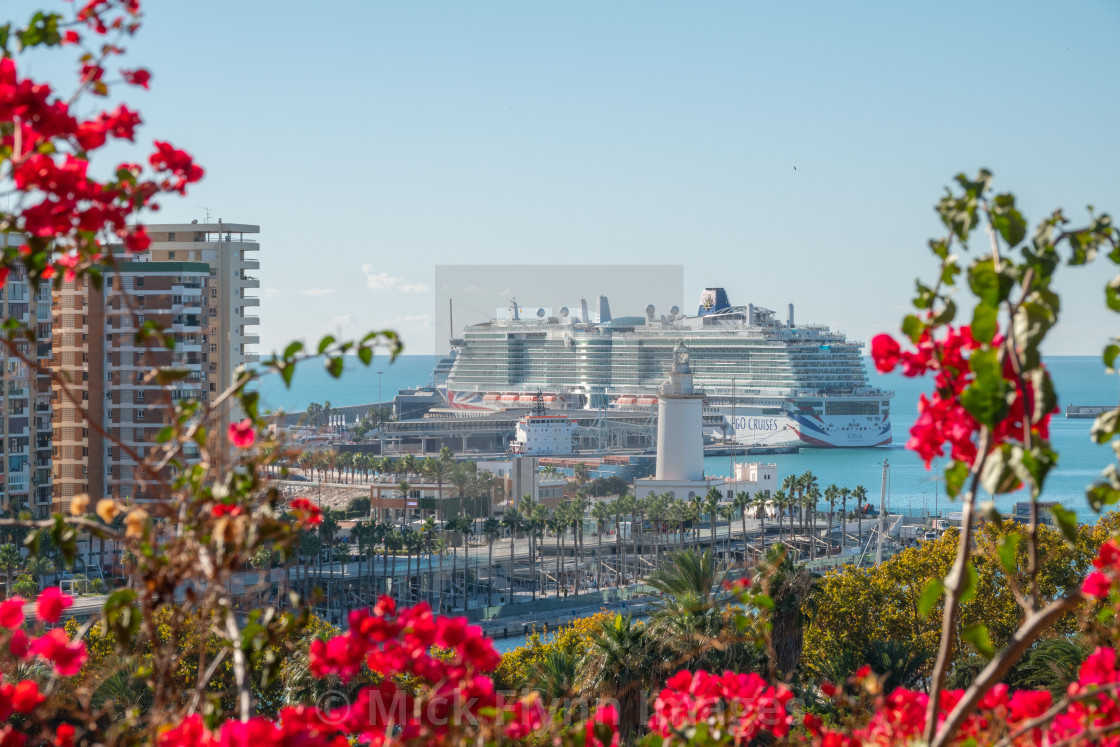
[114,383]
[194,282]
[25,409]
[230,251]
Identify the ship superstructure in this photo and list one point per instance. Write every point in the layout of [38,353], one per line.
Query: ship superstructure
[774,382]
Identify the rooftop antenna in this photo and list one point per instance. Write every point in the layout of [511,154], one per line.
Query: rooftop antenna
[203,207]
[451,319]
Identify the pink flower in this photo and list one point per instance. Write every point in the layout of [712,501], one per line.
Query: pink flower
[1096,584]
[243,434]
[56,647]
[51,603]
[11,613]
[885,351]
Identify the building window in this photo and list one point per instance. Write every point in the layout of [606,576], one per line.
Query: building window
[171,255]
[139,282]
[171,236]
[140,415]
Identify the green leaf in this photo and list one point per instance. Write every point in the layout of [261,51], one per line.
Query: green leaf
[913,327]
[1101,495]
[325,343]
[1007,219]
[763,601]
[334,366]
[121,616]
[365,355]
[947,314]
[1106,425]
[1112,293]
[1067,522]
[991,287]
[969,583]
[933,591]
[955,475]
[986,398]
[1008,550]
[984,321]
[1110,354]
[978,636]
[292,350]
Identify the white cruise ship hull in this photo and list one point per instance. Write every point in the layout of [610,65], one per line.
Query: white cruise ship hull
[837,432]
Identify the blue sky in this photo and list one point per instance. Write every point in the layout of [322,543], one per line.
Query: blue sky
[372,141]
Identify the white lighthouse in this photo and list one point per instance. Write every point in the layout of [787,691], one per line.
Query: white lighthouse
[680,417]
[680,445]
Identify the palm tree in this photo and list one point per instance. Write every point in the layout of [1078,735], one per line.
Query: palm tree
[428,534]
[557,524]
[439,470]
[831,493]
[579,506]
[491,529]
[711,507]
[696,503]
[345,463]
[538,514]
[554,675]
[844,493]
[10,560]
[441,548]
[761,503]
[742,502]
[860,495]
[511,520]
[465,526]
[601,513]
[461,477]
[580,474]
[781,500]
[404,489]
[617,668]
[727,513]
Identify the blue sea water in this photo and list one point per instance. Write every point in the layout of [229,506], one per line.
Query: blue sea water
[358,385]
[1078,380]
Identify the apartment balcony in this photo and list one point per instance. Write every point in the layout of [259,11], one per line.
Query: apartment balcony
[254,320]
[251,357]
[250,301]
[248,281]
[250,264]
[251,339]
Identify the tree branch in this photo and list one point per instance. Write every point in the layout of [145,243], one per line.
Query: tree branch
[1003,661]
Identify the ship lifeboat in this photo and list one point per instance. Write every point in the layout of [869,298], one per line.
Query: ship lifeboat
[527,398]
[490,397]
[647,400]
[508,398]
[626,400]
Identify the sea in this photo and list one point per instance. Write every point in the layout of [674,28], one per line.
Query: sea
[1080,380]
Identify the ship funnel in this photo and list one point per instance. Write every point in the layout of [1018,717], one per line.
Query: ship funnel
[791,315]
[673,311]
[604,310]
[563,312]
[649,312]
[713,301]
[584,316]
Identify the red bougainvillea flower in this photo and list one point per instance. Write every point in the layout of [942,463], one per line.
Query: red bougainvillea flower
[56,648]
[306,512]
[885,352]
[11,613]
[242,434]
[64,736]
[744,704]
[942,419]
[1096,584]
[137,77]
[51,603]
[19,645]
[224,509]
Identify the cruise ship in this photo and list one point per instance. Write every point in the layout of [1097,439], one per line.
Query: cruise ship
[774,382]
